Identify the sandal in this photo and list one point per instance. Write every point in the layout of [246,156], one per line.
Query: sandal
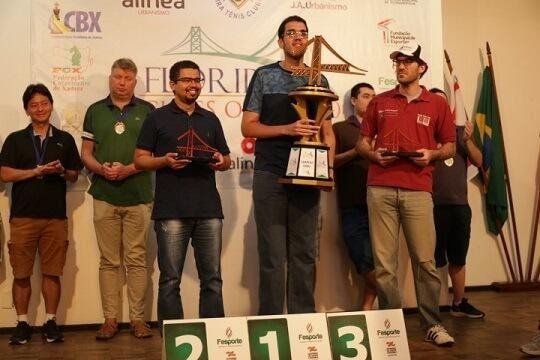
[107,330]
[140,329]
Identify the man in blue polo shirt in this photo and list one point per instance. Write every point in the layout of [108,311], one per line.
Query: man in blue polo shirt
[185,145]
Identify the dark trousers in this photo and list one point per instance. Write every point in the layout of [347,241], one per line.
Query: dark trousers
[286,218]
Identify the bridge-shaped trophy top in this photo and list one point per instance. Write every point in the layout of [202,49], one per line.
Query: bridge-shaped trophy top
[314,71]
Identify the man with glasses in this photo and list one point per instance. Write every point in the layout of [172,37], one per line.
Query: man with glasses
[38,160]
[406,124]
[185,145]
[122,196]
[286,215]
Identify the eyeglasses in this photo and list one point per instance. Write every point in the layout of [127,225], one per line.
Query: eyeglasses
[187,80]
[404,62]
[294,33]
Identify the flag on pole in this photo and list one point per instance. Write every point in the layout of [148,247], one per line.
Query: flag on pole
[487,134]
[457,107]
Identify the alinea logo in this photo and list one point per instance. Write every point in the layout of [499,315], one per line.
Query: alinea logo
[74,21]
[154,7]
[239,9]
[394,37]
[228,341]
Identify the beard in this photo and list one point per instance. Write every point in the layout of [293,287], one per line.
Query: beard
[296,53]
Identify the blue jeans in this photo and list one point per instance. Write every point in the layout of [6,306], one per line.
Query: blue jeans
[355,228]
[286,218]
[173,238]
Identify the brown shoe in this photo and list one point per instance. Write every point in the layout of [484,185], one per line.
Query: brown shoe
[140,329]
[107,330]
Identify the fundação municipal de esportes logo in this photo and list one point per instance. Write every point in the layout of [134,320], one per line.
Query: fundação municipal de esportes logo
[77,21]
[197,42]
[392,36]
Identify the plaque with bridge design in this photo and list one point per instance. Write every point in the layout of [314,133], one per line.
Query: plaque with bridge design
[308,160]
[398,144]
[190,146]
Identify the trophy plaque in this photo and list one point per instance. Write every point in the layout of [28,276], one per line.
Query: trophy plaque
[309,160]
[191,147]
[398,144]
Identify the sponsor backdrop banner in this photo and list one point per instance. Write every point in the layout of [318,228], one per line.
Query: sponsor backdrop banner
[74,44]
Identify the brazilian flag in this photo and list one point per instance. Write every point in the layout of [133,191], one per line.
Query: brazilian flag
[487,133]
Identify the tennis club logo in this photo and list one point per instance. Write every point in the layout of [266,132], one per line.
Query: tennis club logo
[239,9]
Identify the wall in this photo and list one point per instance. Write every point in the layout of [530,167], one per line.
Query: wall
[510,28]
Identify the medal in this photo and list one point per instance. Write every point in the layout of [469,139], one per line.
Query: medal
[449,162]
[119,127]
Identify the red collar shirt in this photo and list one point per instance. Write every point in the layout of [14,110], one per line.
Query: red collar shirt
[398,125]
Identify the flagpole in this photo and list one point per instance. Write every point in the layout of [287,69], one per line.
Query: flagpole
[507,177]
[535,232]
[448,62]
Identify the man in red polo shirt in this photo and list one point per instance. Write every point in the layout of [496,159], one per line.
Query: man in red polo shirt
[406,123]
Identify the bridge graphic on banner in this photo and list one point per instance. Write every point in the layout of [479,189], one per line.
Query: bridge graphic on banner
[197,42]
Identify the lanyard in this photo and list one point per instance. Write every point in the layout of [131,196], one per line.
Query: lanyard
[40,157]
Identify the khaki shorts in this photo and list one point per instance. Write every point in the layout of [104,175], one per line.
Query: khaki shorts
[47,236]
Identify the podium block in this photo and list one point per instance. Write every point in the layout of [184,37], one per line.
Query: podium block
[366,335]
[284,337]
[202,339]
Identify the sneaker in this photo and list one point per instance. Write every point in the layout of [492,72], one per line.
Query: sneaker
[51,332]
[532,348]
[466,309]
[22,334]
[438,335]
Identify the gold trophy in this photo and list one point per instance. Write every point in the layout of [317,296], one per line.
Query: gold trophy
[308,160]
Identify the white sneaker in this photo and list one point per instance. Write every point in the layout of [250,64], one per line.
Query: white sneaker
[438,335]
[532,348]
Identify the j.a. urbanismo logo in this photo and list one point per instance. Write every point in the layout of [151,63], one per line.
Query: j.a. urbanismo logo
[75,21]
[239,9]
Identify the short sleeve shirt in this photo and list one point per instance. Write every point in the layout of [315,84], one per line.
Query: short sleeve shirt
[110,146]
[268,96]
[350,177]
[43,197]
[450,176]
[189,192]
[397,124]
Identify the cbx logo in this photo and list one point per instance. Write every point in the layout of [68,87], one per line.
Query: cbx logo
[74,21]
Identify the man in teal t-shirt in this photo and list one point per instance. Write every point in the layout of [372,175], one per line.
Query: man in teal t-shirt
[122,196]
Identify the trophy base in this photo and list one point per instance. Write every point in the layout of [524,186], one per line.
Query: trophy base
[308,165]
[308,182]
[402,153]
[198,159]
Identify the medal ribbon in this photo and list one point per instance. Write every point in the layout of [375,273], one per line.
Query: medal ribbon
[123,115]
[40,157]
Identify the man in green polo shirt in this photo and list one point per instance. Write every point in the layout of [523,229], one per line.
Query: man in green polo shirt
[122,196]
